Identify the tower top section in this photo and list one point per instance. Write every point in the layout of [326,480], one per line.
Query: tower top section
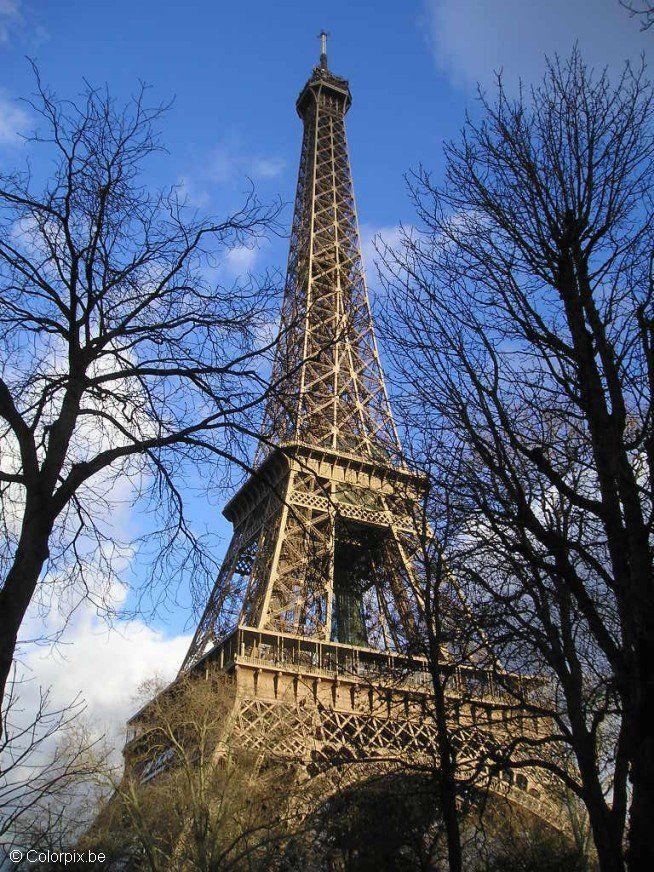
[323,83]
[315,550]
[329,390]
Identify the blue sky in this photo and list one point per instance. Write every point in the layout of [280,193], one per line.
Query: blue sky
[235,69]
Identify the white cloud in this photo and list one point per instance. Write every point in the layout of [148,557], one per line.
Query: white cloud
[229,161]
[83,654]
[472,38]
[189,192]
[84,689]
[13,119]
[372,236]
[103,665]
[10,17]
[267,167]
[69,649]
[222,164]
[241,259]
[15,25]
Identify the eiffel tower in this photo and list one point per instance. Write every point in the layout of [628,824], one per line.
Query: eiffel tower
[312,612]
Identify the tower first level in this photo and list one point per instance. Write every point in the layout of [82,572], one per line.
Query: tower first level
[339,713]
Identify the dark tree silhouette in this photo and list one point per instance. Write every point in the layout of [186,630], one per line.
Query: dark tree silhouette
[523,332]
[122,358]
[641,10]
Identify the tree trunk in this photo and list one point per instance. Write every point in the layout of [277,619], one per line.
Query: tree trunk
[641,815]
[447,777]
[607,836]
[450,818]
[19,586]
[609,851]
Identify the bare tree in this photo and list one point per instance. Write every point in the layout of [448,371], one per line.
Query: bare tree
[436,608]
[445,640]
[188,797]
[122,357]
[528,847]
[642,10]
[523,335]
[492,725]
[50,766]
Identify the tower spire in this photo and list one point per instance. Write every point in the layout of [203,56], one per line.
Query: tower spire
[323,48]
[334,393]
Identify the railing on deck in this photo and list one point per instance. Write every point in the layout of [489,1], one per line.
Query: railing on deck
[267,647]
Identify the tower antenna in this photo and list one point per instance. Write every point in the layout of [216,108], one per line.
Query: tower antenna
[323,48]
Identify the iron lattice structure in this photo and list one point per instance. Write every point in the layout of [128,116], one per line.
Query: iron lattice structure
[311,612]
[320,546]
[333,388]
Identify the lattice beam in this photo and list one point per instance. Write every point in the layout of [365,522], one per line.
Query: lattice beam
[333,388]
